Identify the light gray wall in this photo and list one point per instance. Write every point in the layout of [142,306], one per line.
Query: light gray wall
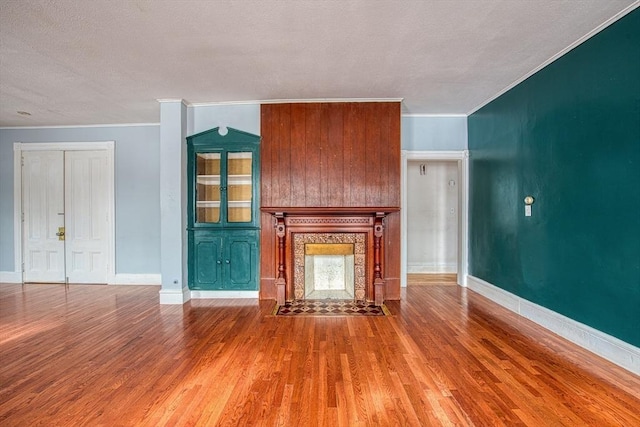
[244,117]
[434,133]
[137,190]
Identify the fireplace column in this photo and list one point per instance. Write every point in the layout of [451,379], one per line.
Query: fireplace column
[378,282]
[281,282]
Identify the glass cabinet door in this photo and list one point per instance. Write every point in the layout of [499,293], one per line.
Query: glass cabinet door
[208,187]
[239,186]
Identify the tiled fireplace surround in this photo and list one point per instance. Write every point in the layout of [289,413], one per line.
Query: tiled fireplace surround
[362,229]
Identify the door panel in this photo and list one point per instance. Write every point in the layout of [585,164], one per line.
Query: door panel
[43,207]
[208,262]
[241,249]
[86,216]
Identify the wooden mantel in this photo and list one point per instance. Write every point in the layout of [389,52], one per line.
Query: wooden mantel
[309,221]
[322,163]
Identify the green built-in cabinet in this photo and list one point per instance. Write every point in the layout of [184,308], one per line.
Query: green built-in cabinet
[223,210]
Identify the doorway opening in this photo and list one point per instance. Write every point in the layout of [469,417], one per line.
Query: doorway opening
[434,226]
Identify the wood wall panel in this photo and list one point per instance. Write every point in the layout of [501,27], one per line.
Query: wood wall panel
[299,155]
[268,271]
[334,157]
[284,165]
[331,155]
[311,194]
[359,158]
[393,159]
[373,156]
[265,163]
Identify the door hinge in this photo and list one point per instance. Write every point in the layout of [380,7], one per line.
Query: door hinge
[22,216]
[21,160]
[23,267]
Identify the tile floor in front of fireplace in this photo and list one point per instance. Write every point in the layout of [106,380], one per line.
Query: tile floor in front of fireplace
[330,308]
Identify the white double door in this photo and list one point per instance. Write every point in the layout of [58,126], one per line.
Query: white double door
[65,206]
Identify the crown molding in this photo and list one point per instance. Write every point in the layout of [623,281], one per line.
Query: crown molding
[457,115]
[115,125]
[293,101]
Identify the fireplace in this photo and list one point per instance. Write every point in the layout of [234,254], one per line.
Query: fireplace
[329,271]
[321,254]
[329,265]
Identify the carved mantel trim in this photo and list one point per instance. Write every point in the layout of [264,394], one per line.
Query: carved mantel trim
[367,221]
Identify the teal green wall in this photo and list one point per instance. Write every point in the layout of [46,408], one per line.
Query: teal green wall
[569,136]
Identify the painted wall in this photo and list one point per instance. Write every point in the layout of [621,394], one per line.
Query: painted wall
[432,217]
[570,137]
[244,117]
[434,133]
[137,173]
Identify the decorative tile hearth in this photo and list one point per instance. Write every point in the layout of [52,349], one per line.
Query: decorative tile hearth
[330,308]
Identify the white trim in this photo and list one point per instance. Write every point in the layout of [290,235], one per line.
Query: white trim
[173,100]
[17,209]
[462,158]
[114,125]
[453,115]
[174,296]
[291,101]
[611,348]
[10,277]
[225,294]
[19,147]
[563,52]
[137,279]
[64,146]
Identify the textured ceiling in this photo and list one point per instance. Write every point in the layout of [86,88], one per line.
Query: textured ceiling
[108,61]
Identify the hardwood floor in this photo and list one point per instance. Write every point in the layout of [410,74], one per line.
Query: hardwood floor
[112,356]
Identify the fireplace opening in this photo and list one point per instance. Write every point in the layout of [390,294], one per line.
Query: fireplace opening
[329,271]
[329,266]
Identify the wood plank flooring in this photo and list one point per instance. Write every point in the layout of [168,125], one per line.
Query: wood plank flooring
[112,356]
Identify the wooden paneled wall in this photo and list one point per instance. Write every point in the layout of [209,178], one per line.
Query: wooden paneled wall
[330,156]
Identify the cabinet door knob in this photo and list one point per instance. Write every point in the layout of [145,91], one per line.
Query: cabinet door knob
[218,262]
[227,261]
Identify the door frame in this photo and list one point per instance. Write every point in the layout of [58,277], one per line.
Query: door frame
[462,160]
[18,148]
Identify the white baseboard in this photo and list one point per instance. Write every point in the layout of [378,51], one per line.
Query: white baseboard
[174,296]
[118,279]
[611,348]
[136,279]
[224,294]
[416,268]
[10,277]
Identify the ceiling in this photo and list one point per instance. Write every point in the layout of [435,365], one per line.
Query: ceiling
[74,62]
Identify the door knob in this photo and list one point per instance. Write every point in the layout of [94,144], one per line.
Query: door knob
[60,233]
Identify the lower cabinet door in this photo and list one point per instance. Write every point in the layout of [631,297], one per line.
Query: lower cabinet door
[224,260]
[206,272]
[241,260]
